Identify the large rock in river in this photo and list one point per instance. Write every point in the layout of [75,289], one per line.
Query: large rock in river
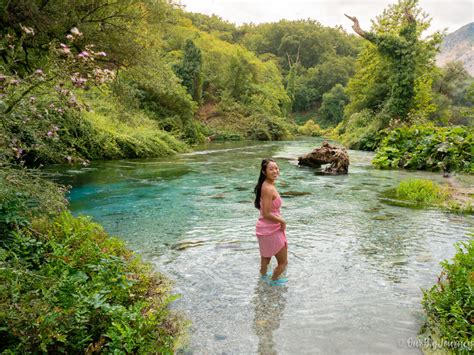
[327,154]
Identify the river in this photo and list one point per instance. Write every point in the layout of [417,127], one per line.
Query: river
[356,264]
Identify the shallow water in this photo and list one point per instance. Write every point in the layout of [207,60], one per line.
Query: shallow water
[356,264]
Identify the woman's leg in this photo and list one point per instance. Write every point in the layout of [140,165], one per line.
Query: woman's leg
[282,258]
[264,261]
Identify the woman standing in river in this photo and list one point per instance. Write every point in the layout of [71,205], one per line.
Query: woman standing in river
[271,226]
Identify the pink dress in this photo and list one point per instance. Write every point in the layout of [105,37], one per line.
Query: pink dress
[270,237]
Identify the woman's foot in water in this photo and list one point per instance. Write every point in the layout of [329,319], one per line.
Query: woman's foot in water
[282,281]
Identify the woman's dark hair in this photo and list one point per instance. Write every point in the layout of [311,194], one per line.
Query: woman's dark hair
[261,179]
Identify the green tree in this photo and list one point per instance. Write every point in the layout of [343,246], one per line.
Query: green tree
[452,91]
[314,82]
[190,70]
[241,76]
[332,107]
[395,59]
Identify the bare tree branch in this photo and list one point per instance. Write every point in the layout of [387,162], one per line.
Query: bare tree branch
[356,27]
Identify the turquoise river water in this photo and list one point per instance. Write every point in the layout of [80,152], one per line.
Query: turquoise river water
[356,264]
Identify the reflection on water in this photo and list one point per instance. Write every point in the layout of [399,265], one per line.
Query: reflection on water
[269,307]
[356,264]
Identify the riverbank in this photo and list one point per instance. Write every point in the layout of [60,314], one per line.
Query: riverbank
[461,192]
[68,286]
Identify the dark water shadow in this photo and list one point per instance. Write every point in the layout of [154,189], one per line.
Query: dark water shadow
[269,304]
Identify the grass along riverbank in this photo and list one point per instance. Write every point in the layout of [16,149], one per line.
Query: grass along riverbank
[421,193]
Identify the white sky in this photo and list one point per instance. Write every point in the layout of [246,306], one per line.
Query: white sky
[444,13]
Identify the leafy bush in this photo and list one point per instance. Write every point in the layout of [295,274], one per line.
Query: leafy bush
[449,304]
[67,287]
[362,130]
[310,128]
[24,195]
[332,106]
[427,148]
[265,128]
[420,192]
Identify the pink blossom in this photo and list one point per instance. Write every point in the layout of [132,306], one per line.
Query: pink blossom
[64,49]
[72,102]
[39,72]
[102,54]
[70,37]
[83,55]
[50,134]
[78,81]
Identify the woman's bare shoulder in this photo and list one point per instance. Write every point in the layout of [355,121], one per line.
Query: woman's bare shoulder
[268,189]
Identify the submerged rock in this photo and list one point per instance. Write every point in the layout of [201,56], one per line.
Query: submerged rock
[337,157]
[294,193]
[188,244]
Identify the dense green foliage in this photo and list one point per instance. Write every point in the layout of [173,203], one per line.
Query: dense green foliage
[311,57]
[393,57]
[24,195]
[332,106]
[453,95]
[396,80]
[310,128]
[190,70]
[427,148]
[67,287]
[449,304]
[420,192]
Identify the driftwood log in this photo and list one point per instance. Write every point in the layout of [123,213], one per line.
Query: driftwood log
[337,157]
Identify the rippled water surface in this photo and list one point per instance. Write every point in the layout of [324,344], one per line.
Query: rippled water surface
[356,264]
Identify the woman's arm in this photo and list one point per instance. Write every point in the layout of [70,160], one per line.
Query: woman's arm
[267,194]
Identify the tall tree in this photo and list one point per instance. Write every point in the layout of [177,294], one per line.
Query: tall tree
[400,51]
[190,70]
[396,61]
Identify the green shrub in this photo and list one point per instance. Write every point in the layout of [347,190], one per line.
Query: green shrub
[332,106]
[24,195]
[420,192]
[427,148]
[265,127]
[66,286]
[106,130]
[310,128]
[362,130]
[449,304]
